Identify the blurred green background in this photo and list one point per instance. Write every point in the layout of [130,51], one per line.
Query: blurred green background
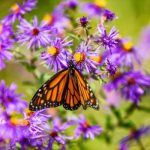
[133,16]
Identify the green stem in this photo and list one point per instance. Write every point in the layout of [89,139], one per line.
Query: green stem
[32,63]
[143,108]
[141,146]
[117,114]
[130,110]
[87,35]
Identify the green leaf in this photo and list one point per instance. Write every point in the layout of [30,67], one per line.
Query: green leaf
[108,123]
[28,83]
[128,124]
[29,67]
[74,36]
[117,113]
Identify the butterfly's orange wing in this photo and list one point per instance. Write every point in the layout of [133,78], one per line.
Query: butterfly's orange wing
[87,97]
[50,94]
[67,87]
[72,95]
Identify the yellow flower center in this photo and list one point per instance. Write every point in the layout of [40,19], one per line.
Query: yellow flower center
[48,19]
[15,8]
[14,121]
[127,46]
[100,3]
[1,28]
[79,57]
[97,59]
[24,122]
[53,51]
[19,122]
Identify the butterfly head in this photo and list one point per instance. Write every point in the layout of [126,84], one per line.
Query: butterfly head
[71,64]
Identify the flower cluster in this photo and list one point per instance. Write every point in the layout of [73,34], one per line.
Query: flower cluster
[97,52]
[36,35]
[135,134]
[131,85]
[5,54]
[9,99]
[56,53]
[7,35]
[18,10]
[32,129]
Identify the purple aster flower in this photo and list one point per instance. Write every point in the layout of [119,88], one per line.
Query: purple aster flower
[109,41]
[123,147]
[22,130]
[111,67]
[5,54]
[48,19]
[27,143]
[85,129]
[29,5]
[72,4]
[84,57]
[61,24]
[114,82]
[56,54]
[58,19]
[144,43]
[9,98]
[67,4]
[132,85]
[100,57]
[136,134]
[17,130]
[84,21]
[34,123]
[124,54]
[18,10]
[38,121]
[97,10]
[55,134]
[92,9]
[108,15]
[36,35]
[5,31]
[61,21]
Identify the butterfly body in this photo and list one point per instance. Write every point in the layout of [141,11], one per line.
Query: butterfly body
[67,88]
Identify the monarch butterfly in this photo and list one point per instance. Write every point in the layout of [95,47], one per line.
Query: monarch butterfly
[67,88]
